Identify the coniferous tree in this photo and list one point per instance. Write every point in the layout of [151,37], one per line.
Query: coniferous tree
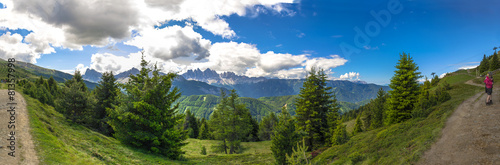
[284,138]
[204,130]
[494,63]
[340,136]
[191,124]
[230,122]
[315,105]
[106,93]
[484,65]
[76,102]
[266,126]
[378,109]
[358,125]
[53,87]
[404,85]
[148,115]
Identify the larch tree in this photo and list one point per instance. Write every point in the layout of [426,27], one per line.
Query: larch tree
[405,90]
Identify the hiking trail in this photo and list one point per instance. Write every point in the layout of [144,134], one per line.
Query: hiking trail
[24,147]
[471,134]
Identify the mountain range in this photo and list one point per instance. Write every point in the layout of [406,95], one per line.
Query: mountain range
[197,82]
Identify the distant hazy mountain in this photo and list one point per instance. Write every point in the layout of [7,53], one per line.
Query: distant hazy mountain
[212,77]
[344,90]
[92,75]
[197,82]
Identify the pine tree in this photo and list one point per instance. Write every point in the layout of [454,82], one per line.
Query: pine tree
[340,136]
[230,122]
[266,126]
[484,65]
[494,63]
[191,124]
[358,125]
[378,109]
[204,130]
[282,143]
[315,105]
[106,93]
[53,87]
[404,85]
[148,115]
[76,104]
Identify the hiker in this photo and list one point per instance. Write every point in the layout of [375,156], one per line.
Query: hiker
[489,88]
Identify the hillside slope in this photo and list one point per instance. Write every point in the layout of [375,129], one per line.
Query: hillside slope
[203,105]
[471,134]
[406,142]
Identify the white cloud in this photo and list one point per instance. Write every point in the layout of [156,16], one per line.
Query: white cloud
[108,62]
[12,46]
[172,42]
[325,63]
[350,76]
[271,61]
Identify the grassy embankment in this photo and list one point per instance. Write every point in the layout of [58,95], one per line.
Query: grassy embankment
[405,142]
[60,141]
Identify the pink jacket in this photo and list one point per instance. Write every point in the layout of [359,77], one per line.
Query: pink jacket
[488,82]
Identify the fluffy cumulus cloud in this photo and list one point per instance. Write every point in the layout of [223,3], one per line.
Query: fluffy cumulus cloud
[350,76]
[325,63]
[12,46]
[108,62]
[89,22]
[172,42]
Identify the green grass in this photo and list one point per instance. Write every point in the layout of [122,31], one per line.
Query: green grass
[60,141]
[253,153]
[405,142]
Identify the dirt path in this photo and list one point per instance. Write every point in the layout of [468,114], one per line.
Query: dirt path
[471,134]
[24,148]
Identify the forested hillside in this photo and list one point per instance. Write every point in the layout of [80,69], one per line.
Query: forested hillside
[203,105]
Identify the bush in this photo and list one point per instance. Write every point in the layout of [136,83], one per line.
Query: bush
[356,157]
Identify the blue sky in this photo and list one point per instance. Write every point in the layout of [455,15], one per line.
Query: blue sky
[271,38]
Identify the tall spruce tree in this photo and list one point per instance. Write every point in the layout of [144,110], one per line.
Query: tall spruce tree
[231,122]
[106,93]
[404,85]
[284,138]
[378,109]
[266,126]
[315,106]
[148,115]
